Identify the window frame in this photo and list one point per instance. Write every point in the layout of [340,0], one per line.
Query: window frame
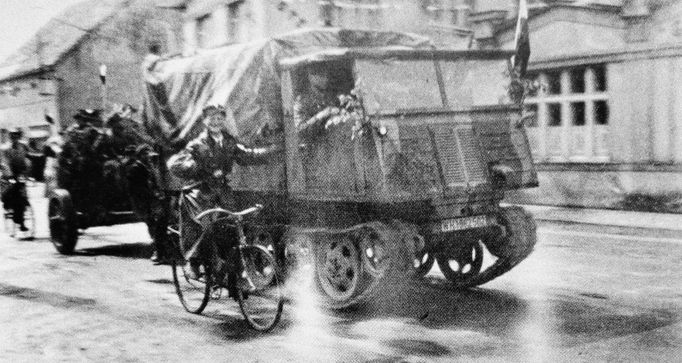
[568,142]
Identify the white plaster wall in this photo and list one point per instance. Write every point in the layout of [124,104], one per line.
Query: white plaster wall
[599,189]
[563,38]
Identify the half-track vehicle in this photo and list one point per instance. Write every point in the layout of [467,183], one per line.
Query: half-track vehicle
[412,170]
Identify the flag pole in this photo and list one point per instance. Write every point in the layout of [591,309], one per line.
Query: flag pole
[518,63]
[521,41]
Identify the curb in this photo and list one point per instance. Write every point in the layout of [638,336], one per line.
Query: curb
[617,222]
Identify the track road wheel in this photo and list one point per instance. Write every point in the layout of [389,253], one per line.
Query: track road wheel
[339,271]
[461,266]
[62,220]
[423,262]
[510,249]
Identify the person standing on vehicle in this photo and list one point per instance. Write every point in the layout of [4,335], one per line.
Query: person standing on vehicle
[209,158]
[15,165]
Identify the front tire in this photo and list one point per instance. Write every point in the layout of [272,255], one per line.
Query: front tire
[62,221]
[423,263]
[462,265]
[262,308]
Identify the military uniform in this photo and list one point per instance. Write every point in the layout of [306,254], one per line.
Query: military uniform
[15,164]
[209,160]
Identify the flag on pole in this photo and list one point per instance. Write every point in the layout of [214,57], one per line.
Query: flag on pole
[103,73]
[521,41]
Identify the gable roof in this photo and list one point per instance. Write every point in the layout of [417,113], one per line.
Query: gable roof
[58,36]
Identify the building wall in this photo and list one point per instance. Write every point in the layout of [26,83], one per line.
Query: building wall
[120,44]
[633,161]
[24,103]
[210,23]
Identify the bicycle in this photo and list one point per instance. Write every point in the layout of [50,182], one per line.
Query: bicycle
[12,188]
[261,307]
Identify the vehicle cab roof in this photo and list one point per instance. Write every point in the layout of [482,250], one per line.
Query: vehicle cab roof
[398,53]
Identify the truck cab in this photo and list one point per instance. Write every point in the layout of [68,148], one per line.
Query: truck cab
[431,127]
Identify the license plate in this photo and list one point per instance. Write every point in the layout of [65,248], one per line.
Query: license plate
[458,224]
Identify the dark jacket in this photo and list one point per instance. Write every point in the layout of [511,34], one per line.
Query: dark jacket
[15,160]
[202,157]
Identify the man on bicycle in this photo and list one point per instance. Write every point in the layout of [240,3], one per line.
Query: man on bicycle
[209,158]
[15,165]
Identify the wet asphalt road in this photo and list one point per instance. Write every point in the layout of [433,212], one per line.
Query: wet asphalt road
[583,295]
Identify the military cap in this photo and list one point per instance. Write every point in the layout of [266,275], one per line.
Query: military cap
[212,110]
[88,115]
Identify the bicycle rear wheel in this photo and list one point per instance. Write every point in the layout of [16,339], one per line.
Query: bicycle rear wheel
[262,307]
[193,288]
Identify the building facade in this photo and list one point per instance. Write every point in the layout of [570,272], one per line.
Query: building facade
[213,23]
[57,72]
[608,131]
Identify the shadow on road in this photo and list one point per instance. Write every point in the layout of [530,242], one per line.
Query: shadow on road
[567,320]
[127,250]
[438,306]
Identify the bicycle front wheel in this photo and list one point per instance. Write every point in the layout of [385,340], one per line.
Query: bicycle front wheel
[262,307]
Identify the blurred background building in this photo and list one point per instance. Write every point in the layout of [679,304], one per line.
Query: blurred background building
[56,72]
[608,125]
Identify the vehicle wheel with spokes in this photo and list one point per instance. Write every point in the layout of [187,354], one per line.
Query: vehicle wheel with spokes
[192,284]
[263,306]
[341,275]
[462,265]
[62,222]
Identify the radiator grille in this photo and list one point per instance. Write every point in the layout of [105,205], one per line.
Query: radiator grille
[448,150]
[417,149]
[457,148]
[471,154]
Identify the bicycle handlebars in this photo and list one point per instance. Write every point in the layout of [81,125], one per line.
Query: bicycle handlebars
[235,215]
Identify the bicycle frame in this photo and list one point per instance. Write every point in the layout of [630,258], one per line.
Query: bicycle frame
[237,217]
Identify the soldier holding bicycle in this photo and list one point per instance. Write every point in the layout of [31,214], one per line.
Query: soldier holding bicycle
[209,159]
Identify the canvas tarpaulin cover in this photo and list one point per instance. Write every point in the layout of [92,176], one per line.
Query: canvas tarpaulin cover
[242,77]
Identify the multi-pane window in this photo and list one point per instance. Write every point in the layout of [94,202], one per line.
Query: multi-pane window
[449,12]
[572,114]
